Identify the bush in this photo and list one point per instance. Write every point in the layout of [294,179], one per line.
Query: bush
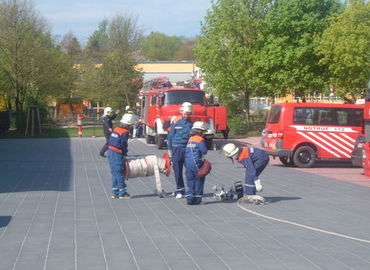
[238,125]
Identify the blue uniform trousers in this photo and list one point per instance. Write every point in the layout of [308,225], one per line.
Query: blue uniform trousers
[259,166]
[195,185]
[178,159]
[118,167]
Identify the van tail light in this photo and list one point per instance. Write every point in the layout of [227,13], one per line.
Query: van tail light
[279,134]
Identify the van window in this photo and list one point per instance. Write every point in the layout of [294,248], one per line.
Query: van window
[274,115]
[303,116]
[327,116]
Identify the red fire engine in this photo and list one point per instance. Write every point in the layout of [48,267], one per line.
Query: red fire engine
[301,133]
[160,101]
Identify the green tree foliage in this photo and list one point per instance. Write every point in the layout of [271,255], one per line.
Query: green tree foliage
[29,60]
[97,45]
[286,61]
[226,49]
[114,82]
[186,51]
[345,49]
[72,52]
[160,47]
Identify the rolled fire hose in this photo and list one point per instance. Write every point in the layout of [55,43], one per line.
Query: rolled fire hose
[148,166]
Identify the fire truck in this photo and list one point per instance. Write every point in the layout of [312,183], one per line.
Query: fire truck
[160,101]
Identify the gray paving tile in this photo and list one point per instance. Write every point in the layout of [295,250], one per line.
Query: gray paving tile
[56,213]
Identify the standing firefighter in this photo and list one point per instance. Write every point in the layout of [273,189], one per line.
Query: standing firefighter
[117,151]
[255,161]
[108,117]
[195,149]
[177,139]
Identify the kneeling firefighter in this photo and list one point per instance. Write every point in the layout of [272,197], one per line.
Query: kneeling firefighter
[255,161]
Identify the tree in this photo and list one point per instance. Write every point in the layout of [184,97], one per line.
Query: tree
[286,61]
[344,48]
[71,47]
[158,46]
[117,76]
[226,49]
[186,51]
[72,52]
[97,45]
[25,47]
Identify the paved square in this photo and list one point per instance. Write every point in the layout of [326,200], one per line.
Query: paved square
[56,213]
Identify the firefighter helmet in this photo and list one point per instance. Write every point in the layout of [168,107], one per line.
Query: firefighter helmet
[200,125]
[108,111]
[129,119]
[230,150]
[186,107]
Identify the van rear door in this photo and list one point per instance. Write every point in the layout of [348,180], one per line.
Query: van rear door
[273,130]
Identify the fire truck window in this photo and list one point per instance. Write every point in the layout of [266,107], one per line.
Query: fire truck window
[274,115]
[153,100]
[179,97]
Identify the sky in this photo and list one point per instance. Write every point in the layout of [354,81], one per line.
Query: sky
[171,17]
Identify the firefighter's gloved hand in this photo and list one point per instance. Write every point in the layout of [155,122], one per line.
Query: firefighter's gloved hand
[258,185]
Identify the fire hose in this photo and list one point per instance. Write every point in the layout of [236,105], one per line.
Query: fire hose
[148,166]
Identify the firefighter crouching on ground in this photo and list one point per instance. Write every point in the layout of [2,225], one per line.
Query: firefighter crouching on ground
[195,149]
[177,139]
[108,117]
[255,161]
[117,151]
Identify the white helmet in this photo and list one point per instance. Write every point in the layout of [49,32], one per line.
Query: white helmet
[230,150]
[128,107]
[107,110]
[200,125]
[129,119]
[186,107]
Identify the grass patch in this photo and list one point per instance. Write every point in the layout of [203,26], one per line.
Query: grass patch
[55,132]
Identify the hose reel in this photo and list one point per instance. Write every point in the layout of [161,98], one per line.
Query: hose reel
[148,166]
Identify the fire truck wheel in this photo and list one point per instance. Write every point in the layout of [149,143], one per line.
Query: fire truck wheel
[225,133]
[304,157]
[159,140]
[286,161]
[149,139]
[209,144]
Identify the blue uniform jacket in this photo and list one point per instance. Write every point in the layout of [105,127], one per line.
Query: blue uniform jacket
[195,149]
[248,157]
[107,124]
[179,133]
[118,140]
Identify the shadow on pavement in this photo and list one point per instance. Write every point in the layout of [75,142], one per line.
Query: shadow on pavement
[279,198]
[36,164]
[4,220]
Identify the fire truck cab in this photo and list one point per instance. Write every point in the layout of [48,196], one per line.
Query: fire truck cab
[301,133]
[160,101]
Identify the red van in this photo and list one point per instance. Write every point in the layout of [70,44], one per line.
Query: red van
[301,133]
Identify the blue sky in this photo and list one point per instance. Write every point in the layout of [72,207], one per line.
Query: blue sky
[171,17]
